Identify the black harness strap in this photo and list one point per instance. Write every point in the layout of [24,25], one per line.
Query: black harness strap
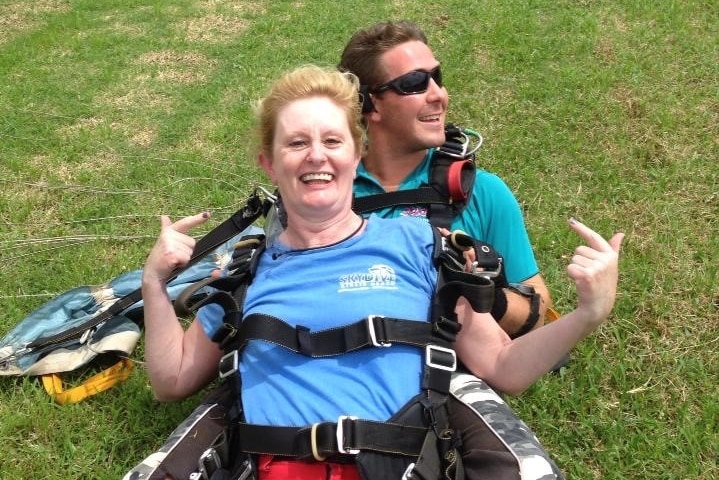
[239,221]
[419,196]
[372,331]
[346,436]
[451,180]
[430,441]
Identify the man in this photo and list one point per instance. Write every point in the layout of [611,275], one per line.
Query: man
[405,105]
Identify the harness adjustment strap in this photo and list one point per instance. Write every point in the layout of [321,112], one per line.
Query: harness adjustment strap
[377,331]
[441,358]
[439,363]
[341,436]
[304,340]
[347,436]
[371,329]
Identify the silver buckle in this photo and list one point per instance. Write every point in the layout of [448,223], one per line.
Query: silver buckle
[341,436]
[373,333]
[428,358]
[247,471]
[407,475]
[487,273]
[209,463]
[233,359]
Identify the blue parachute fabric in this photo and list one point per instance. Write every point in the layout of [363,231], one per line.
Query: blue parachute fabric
[78,305]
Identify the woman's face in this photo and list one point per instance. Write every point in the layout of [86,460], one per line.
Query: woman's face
[313,159]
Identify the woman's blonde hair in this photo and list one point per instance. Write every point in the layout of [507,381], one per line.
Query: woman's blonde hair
[304,82]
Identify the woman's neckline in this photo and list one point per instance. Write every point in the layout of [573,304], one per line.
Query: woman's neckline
[353,233]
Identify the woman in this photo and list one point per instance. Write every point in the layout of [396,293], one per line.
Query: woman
[328,268]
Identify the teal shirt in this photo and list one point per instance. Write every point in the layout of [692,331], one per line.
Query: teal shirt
[492,215]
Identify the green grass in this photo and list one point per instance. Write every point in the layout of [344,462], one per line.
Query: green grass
[114,112]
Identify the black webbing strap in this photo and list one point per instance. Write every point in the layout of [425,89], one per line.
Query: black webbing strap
[346,436]
[239,221]
[420,196]
[375,331]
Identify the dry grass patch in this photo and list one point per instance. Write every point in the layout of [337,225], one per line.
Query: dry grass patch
[214,28]
[68,172]
[143,137]
[16,17]
[139,97]
[184,68]
[223,21]
[254,7]
[83,124]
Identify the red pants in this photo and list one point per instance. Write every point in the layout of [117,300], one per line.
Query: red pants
[271,468]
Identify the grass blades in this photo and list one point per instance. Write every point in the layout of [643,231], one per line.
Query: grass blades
[115,112]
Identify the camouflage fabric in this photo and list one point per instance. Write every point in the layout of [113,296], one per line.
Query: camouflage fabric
[518,440]
[178,456]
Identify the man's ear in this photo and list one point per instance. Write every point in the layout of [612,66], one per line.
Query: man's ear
[266,164]
[366,99]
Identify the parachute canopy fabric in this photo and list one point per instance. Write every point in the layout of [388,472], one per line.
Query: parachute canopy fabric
[75,307]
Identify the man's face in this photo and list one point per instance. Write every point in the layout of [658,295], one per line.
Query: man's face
[416,121]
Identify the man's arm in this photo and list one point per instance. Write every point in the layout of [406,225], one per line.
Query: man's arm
[522,308]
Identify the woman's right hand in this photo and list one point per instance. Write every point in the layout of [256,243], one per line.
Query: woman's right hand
[173,248]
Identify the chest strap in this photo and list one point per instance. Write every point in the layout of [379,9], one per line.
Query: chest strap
[374,331]
[419,196]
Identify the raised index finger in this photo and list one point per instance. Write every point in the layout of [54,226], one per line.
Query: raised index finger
[593,239]
[186,224]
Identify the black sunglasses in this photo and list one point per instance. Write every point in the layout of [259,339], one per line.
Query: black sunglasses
[412,83]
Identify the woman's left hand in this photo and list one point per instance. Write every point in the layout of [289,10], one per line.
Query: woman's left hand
[595,271]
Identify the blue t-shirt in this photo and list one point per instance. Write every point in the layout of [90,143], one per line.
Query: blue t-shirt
[387,270]
[492,215]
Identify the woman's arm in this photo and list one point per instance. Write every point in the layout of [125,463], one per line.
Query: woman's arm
[179,362]
[513,365]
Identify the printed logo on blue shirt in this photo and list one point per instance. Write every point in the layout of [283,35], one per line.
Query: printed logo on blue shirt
[414,211]
[377,276]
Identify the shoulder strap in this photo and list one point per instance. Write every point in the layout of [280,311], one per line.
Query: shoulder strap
[452,175]
[239,221]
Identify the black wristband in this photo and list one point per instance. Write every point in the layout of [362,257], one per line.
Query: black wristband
[499,307]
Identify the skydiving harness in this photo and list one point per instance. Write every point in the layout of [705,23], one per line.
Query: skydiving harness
[451,180]
[451,183]
[417,442]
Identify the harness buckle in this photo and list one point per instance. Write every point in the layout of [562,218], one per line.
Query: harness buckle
[341,436]
[373,332]
[430,349]
[313,444]
[209,463]
[408,475]
[229,364]
[489,274]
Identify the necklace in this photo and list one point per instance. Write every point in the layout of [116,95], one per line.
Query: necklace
[355,232]
[277,255]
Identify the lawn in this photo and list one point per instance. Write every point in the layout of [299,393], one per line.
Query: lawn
[114,112]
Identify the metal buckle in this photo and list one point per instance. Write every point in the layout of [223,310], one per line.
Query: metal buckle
[407,475]
[247,471]
[488,273]
[313,444]
[428,358]
[373,332]
[341,435]
[231,360]
[209,463]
